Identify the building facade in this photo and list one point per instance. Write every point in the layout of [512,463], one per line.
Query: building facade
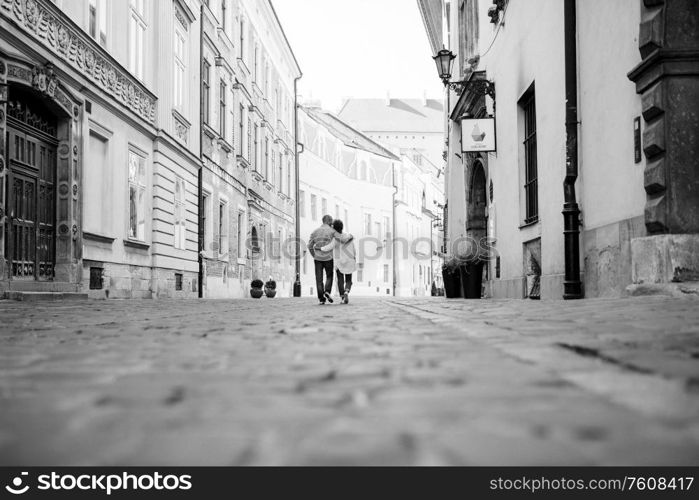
[345,174]
[414,130]
[589,190]
[90,150]
[131,142]
[248,125]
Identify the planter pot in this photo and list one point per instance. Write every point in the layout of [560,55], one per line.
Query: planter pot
[270,292]
[471,279]
[256,293]
[452,284]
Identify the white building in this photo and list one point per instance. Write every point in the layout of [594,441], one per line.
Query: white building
[414,130]
[345,174]
[248,177]
[593,184]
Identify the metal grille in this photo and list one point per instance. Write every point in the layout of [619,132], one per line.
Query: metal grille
[96,282]
[530,159]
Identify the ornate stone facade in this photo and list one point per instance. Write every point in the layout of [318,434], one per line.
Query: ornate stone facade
[42,20]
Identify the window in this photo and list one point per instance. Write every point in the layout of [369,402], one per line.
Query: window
[266,157]
[274,167]
[255,64]
[97,20]
[367,224]
[241,131]
[180,65]
[528,106]
[222,108]
[387,228]
[241,238]
[385,273]
[346,218]
[281,174]
[337,211]
[180,216]
[288,176]
[314,207]
[249,138]
[324,205]
[137,29]
[255,149]
[224,23]
[242,37]
[222,229]
[302,204]
[205,90]
[178,282]
[360,272]
[137,197]
[377,225]
[205,219]
[98,195]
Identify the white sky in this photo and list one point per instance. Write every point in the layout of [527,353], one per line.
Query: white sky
[359,48]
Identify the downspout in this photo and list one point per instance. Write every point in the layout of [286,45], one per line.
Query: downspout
[200,176]
[393,235]
[572,286]
[297,283]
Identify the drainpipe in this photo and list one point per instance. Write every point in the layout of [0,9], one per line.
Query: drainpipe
[297,283]
[200,176]
[571,212]
[393,235]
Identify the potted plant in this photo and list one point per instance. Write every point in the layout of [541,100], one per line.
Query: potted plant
[271,288]
[256,289]
[451,275]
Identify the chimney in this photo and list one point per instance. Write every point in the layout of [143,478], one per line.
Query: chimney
[388,98]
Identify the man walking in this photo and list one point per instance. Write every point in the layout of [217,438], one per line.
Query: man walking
[323,259]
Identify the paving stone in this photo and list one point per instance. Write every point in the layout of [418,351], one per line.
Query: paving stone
[421,381]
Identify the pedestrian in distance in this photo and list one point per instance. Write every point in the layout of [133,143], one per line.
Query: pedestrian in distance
[323,260]
[345,258]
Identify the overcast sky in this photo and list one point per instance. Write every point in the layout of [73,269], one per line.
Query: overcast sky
[359,48]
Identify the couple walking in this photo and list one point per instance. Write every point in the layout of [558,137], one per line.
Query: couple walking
[332,249]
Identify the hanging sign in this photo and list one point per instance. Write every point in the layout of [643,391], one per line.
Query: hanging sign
[478,135]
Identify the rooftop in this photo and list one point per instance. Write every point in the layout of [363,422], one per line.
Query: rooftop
[394,115]
[350,136]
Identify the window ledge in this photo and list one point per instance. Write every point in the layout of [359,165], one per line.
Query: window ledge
[98,237]
[242,262]
[525,225]
[136,244]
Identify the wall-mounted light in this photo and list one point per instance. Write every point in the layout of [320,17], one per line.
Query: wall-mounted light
[444,59]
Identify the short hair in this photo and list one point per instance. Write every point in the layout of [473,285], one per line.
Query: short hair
[338,225]
[327,219]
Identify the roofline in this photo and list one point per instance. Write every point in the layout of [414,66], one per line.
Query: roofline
[388,154]
[281,28]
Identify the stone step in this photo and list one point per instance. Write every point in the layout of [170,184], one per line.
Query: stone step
[44,296]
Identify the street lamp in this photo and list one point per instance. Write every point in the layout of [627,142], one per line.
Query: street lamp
[444,59]
[436,222]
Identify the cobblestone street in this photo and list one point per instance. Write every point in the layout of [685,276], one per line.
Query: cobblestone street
[379,382]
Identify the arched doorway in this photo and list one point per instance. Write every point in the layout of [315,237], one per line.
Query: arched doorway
[477,200]
[40,174]
[31,140]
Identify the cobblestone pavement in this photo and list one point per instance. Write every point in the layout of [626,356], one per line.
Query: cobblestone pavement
[379,382]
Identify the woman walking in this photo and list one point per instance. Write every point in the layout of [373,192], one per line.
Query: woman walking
[344,255]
